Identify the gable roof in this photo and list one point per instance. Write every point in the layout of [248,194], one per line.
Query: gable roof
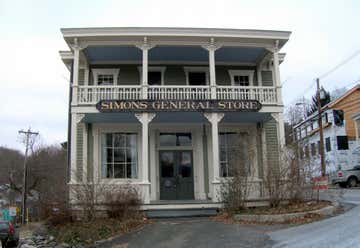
[341,98]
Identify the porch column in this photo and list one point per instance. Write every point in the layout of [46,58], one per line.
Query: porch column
[212,47]
[277,72]
[145,47]
[279,118]
[214,119]
[145,119]
[75,81]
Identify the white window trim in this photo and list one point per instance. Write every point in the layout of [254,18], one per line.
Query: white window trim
[154,68]
[249,73]
[106,71]
[188,69]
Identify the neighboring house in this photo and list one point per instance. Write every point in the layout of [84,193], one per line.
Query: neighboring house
[341,125]
[165,108]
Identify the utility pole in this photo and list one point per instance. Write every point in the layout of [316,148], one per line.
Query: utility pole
[28,135]
[322,154]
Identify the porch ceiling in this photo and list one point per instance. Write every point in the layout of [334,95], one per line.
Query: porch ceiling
[173,53]
[176,117]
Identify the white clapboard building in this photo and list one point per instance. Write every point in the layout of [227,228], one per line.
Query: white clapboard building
[163,109]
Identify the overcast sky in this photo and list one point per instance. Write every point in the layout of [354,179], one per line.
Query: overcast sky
[33,80]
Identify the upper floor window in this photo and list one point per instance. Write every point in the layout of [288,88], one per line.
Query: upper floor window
[105,76]
[156,75]
[242,77]
[342,142]
[328,144]
[105,79]
[197,75]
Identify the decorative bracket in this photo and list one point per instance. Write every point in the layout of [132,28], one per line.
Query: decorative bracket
[145,45]
[212,46]
[145,118]
[214,117]
[78,45]
[79,117]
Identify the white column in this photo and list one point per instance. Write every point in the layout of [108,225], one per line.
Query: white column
[73,178]
[277,72]
[279,117]
[212,47]
[214,119]
[145,47]
[145,119]
[259,77]
[75,82]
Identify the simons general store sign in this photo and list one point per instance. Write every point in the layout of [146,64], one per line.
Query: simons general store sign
[178,105]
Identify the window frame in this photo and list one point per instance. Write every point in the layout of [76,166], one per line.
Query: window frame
[248,73]
[102,160]
[105,71]
[189,69]
[160,69]
[347,142]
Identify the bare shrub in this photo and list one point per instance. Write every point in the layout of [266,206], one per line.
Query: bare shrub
[291,179]
[123,202]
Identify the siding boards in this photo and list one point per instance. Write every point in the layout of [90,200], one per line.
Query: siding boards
[79,151]
[272,144]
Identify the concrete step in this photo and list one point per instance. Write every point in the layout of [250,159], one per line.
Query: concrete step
[178,212]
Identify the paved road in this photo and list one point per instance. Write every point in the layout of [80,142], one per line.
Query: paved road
[340,231]
[198,232]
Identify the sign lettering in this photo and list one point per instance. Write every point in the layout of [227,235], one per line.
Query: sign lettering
[178,105]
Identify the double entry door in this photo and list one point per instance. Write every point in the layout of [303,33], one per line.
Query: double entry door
[176,175]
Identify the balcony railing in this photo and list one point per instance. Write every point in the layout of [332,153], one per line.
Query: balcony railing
[88,95]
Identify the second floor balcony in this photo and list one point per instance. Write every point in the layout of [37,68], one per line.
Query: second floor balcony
[174,64]
[89,95]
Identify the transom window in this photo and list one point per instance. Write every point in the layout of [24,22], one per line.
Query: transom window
[234,154]
[105,79]
[175,139]
[119,155]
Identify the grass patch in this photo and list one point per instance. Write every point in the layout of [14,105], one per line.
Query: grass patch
[286,208]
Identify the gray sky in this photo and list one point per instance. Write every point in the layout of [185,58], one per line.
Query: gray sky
[34,87]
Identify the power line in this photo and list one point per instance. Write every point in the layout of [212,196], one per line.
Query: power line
[356,53]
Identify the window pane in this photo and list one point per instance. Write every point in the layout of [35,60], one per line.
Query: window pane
[154,78]
[167,164]
[183,139]
[197,78]
[109,155]
[119,170]
[109,171]
[223,170]
[167,139]
[185,164]
[109,140]
[119,155]
[342,142]
[131,140]
[119,140]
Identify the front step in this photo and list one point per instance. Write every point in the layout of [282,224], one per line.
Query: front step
[178,212]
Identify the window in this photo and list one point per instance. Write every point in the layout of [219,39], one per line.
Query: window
[119,155]
[154,77]
[196,75]
[328,144]
[318,146]
[197,78]
[105,79]
[234,153]
[241,77]
[175,139]
[241,80]
[307,151]
[342,142]
[105,76]
[313,149]
[326,118]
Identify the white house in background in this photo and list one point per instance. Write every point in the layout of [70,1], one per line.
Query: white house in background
[163,108]
[341,128]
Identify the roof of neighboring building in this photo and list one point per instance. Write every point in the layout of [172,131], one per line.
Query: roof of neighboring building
[330,105]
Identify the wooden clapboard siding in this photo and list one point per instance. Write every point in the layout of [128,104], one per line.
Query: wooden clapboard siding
[350,104]
[272,144]
[79,151]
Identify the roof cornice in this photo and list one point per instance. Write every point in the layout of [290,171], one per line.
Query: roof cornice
[164,31]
